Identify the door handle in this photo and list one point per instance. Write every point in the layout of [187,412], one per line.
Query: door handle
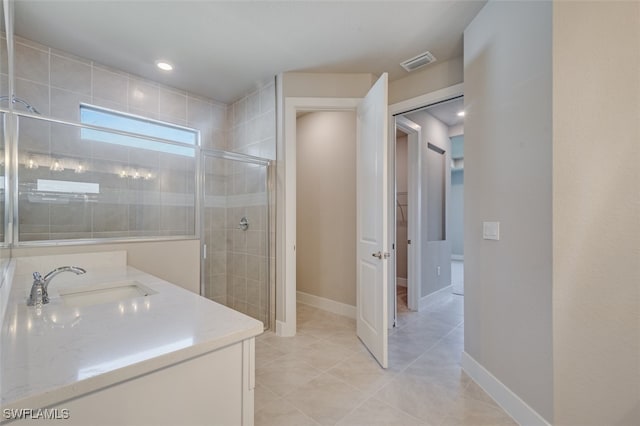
[381,255]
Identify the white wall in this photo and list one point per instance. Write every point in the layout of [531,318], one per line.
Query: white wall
[175,261]
[435,254]
[429,79]
[508,152]
[326,205]
[596,213]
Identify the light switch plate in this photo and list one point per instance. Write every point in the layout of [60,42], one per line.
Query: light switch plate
[491,230]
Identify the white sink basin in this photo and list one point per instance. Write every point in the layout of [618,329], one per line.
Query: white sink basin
[104,293]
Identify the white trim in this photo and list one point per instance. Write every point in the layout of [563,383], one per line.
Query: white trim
[459,257]
[425,300]
[283,329]
[288,165]
[401,282]
[428,99]
[327,304]
[511,403]
[414,227]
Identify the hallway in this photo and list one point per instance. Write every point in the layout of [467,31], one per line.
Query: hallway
[324,376]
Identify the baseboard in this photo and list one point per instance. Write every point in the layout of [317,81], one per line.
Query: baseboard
[424,301]
[327,304]
[509,401]
[284,329]
[401,282]
[457,257]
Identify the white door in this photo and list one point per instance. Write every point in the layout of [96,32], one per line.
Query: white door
[372,251]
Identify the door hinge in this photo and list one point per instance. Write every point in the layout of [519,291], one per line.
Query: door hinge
[408,241]
[204,251]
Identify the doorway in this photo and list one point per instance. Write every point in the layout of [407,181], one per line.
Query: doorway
[438,165]
[326,210]
[402,219]
[372,243]
[407,196]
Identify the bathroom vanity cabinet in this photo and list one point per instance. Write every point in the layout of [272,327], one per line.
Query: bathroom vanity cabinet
[168,358]
[215,388]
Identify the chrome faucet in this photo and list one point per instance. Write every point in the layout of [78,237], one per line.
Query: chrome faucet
[39,294]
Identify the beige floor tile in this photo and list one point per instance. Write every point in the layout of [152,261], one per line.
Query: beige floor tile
[265,353]
[326,399]
[348,340]
[427,401]
[323,330]
[470,412]
[376,413]
[325,374]
[282,413]
[283,375]
[290,344]
[474,391]
[406,317]
[322,355]
[363,372]
[263,397]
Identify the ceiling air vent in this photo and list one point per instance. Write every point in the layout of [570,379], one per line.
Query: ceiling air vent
[418,61]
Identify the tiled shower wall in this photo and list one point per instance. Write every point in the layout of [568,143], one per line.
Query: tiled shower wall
[246,284]
[214,223]
[56,83]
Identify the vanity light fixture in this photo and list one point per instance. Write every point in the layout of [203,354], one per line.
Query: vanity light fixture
[164,65]
[80,168]
[31,164]
[461,114]
[56,166]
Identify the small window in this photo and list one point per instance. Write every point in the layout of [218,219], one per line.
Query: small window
[131,124]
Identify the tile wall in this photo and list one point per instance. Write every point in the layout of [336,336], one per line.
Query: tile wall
[56,83]
[237,271]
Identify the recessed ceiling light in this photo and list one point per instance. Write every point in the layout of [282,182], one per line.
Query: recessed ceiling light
[164,65]
[461,114]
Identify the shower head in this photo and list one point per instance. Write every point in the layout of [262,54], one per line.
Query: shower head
[24,103]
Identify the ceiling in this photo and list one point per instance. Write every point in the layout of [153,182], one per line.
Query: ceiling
[447,112]
[223,49]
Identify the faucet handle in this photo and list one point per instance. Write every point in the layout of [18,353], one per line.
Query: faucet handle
[37,277]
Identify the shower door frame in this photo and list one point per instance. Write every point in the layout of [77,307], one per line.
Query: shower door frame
[206,153]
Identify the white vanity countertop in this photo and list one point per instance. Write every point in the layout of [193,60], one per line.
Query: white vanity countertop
[66,352]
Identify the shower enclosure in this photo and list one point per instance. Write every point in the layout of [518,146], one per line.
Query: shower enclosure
[235,225]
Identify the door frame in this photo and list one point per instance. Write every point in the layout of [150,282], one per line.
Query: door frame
[286,182]
[394,110]
[286,325]
[414,169]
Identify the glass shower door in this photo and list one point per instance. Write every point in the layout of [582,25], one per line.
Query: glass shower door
[235,233]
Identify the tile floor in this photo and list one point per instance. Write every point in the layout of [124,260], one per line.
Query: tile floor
[324,375]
